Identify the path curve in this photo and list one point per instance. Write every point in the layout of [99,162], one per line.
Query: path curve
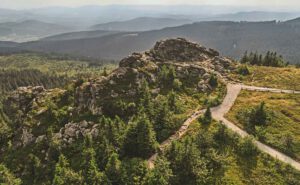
[179,133]
[218,113]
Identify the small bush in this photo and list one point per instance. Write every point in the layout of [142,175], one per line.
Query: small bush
[246,147]
[207,117]
[213,81]
[243,70]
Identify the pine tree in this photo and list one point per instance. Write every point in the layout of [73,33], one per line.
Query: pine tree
[172,101]
[243,70]
[187,164]
[162,123]
[35,167]
[247,148]
[163,73]
[113,169]
[213,81]
[7,178]
[146,98]
[161,174]
[140,138]
[245,58]
[256,117]
[64,175]
[207,117]
[259,115]
[177,84]
[91,172]
[171,74]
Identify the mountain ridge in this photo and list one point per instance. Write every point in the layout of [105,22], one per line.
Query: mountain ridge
[141,24]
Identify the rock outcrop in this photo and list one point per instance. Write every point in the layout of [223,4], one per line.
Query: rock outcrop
[74,131]
[22,99]
[23,106]
[181,50]
[192,63]
[188,59]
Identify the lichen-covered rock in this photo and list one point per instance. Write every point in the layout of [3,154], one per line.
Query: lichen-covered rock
[181,50]
[26,99]
[190,61]
[122,82]
[21,100]
[203,86]
[71,132]
[23,107]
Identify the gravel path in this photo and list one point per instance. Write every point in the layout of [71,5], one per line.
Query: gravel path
[218,113]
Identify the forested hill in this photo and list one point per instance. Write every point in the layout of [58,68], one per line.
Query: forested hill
[103,129]
[230,38]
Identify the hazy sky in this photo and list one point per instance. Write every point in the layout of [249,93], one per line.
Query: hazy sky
[19,4]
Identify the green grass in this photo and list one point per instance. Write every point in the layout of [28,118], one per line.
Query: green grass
[283,78]
[238,170]
[283,118]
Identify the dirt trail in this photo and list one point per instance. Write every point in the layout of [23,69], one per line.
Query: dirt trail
[182,130]
[218,113]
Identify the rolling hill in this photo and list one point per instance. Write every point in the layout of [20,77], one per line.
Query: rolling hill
[79,35]
[141,24]
[29,30]
[231,38]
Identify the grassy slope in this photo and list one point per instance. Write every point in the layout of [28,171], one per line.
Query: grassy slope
[284,78]
[284,116]
[261,169]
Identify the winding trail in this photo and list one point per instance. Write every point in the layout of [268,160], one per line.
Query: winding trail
[218,113]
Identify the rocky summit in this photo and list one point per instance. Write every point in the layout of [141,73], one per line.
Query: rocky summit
[180,50]
[189,60]
[193,65]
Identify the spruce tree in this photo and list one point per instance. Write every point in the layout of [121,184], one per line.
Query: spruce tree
[245,58]
[213,81]
[113,169]
[259,115]
[207,117]
[140,138]
[161,174]
[64,175]
[92,175]
[6,177]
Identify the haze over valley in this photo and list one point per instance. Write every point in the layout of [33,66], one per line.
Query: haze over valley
[91,31]
[149,92]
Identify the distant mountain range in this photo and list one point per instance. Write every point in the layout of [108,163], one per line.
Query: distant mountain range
[86,16]
[253,16]
[231,38]
[33,24]
[141,24]
[114,40]
[79,35]
[29,30]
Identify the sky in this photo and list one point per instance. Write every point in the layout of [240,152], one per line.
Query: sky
[25,4]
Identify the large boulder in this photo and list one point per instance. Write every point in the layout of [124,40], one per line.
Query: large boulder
[181,50]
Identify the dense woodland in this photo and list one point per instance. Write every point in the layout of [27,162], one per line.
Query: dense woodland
[269,59]
[126,137]
[115,155]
